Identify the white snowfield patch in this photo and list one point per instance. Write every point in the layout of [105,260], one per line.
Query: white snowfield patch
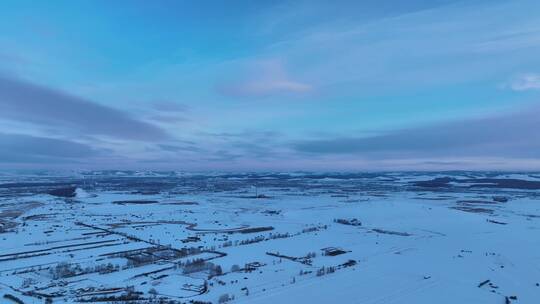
[300,240]
[81,193]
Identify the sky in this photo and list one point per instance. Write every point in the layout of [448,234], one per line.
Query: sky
[270,85]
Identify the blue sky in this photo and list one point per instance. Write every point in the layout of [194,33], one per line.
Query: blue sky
[270,85]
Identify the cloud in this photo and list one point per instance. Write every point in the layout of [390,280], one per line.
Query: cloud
[31,149]
[510,135]
[526,82]
[23,101]
[258,144]
[266,88]
[168,119]
[165,112]
[223,155]
[406,49]
[262,79]
[169,106]
[179,148]
[251,135]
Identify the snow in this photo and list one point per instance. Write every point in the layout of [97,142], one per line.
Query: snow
[413,245]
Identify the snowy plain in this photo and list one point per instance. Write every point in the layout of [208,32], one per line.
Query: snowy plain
[151,237]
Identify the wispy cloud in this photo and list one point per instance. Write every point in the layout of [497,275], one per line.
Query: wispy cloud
[363,66]
[169,106]
[264,78]
[179,148]
[267,87]
[526,82]
[467,40]
[165,113]
[18,148]
[510,135]
[49,108]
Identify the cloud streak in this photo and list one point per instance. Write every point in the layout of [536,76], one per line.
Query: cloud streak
[266,88]
[526,82]
[265,78]
[23,101]
[32,149]
[510,135]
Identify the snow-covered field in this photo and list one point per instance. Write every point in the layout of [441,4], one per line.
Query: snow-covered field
[146,237]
